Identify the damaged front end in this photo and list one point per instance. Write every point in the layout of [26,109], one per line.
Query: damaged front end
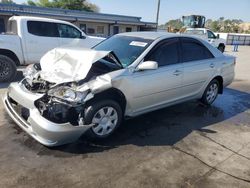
[55,95]
[67,83]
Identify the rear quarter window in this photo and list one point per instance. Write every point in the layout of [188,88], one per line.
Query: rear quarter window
[44,29]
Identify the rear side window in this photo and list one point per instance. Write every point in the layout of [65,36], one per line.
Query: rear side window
[44,29]
[166,53]
[67,31]
[193,50]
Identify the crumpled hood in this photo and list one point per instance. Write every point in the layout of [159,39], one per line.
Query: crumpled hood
[68,64]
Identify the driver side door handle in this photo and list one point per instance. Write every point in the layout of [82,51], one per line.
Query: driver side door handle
[177,72]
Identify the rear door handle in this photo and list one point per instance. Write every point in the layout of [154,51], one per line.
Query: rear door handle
[212,65]
[177,72]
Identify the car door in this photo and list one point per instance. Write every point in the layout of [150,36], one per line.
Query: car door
[40,37]
[153,88]
[198,66]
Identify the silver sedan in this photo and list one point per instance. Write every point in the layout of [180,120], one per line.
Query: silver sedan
[74,91]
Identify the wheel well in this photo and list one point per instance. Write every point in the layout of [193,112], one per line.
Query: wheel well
[220,80]
[114,94]
[11,55]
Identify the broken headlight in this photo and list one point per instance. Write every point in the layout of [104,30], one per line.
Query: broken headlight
[68,94]
[31,70]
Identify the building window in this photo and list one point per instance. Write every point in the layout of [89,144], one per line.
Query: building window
[100,30]
[91,31]
[83,27]
[128,29]
[115,30]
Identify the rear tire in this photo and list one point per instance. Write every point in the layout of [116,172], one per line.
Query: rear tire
[7,69]
[107,117]
[211,92]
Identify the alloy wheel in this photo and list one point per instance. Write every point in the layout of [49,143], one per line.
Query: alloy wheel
[212,93]
[105,121]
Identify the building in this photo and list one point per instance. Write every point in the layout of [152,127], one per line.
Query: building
[97,24]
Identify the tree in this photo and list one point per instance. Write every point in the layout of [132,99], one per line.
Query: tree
[66,4]
[208,23]
[176,24]
[215,26]
[7,1]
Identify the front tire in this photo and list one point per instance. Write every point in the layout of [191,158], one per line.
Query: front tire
[7,69]
[210,93]
[106,115]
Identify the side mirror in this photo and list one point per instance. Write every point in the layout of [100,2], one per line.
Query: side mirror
[148,65]
[218,36]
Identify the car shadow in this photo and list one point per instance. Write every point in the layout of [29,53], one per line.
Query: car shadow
[163,127]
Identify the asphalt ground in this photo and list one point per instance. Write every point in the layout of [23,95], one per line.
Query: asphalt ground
[186,145]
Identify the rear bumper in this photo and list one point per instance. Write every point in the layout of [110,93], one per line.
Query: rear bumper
[44,131]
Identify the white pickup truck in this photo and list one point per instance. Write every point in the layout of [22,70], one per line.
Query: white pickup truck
[209,36]
[28,38]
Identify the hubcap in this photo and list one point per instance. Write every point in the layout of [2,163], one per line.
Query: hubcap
[212,92]
[105,120]
[4,69]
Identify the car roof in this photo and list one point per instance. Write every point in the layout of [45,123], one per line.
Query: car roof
[33,18]
[164,35]
[153,35]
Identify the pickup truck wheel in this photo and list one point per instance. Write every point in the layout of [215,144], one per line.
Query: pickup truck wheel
[7,69]
[211,92]
[106,115]
[221,47]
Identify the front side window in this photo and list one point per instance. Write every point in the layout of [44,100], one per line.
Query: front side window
[68,31]
[166,53]
[44,29]
[126,48]
[211,35]
[193,50]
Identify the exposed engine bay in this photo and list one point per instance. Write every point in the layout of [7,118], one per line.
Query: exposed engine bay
[65,90]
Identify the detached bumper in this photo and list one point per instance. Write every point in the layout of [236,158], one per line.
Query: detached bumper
[41,129]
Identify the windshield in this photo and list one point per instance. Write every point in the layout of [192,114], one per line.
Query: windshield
[126,48]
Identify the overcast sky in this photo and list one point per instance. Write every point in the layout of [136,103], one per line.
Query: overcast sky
[172,9]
